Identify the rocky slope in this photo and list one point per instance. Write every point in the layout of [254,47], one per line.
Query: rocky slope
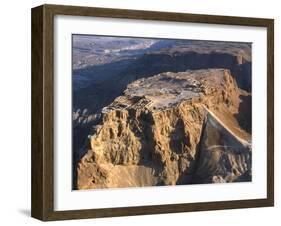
[171,128]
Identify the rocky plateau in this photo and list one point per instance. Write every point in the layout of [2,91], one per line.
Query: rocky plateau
[170,128]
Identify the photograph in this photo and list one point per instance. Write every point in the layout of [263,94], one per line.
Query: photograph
[138,112]
[152,111]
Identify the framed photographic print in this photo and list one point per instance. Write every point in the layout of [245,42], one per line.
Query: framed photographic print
[141,112]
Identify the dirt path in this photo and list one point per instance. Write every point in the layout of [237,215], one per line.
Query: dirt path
[240,139]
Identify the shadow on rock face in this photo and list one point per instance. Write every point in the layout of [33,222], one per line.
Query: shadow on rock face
[244,115]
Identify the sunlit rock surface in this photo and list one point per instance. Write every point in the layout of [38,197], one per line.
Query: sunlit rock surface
[168,129]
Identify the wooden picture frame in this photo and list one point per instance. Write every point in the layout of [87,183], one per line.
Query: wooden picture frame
[42,203]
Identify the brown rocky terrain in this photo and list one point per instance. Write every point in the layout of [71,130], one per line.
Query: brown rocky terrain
[167,129]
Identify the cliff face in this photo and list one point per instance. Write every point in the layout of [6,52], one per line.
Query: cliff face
[172,128]
[98,85]
[223,156]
